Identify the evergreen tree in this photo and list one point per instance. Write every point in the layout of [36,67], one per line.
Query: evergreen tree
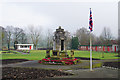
[74,43]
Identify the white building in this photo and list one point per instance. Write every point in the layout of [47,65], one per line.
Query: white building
[24,46]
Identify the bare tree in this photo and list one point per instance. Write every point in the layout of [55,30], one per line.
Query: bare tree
[35,33]
[49,38]
[9,30]
[106,35]
[3,36]
[17,33]
[68,37]
[84,36]
[23,38]
[99,40]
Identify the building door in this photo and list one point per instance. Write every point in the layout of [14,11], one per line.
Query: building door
[86,47]
[103,48]
[115,48]
[108,48]
[96,48]
[30,47]
[62,45]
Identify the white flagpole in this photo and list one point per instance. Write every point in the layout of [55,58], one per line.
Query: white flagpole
[90,52]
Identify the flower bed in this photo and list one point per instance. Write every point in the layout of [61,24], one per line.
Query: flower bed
[67,61]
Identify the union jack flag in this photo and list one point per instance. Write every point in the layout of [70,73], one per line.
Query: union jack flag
[90,21]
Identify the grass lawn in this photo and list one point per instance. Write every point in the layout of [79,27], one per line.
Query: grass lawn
[34,55]
[95,54]
[40,54]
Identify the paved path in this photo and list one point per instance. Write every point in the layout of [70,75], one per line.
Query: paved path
[96,73]
[78,73]
[35,64]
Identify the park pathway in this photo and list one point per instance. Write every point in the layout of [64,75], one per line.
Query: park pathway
[35,64]
[102,72]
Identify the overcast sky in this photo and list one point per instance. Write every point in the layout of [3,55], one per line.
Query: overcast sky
[70,15]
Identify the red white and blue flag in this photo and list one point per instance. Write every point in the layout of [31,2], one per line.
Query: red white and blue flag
[90,21]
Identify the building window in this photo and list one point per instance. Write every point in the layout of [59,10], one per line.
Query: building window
[25,46]
[21,46]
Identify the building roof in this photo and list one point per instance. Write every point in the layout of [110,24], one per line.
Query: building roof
[24,44]
[95,45]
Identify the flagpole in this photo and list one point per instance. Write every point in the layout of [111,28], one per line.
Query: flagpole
[90,52]
[90,27]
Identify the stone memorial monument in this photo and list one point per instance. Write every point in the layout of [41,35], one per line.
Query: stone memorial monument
[59,43]
[59,39]
[59,52]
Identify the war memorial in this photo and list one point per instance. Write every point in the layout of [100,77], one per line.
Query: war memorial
[59,52]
